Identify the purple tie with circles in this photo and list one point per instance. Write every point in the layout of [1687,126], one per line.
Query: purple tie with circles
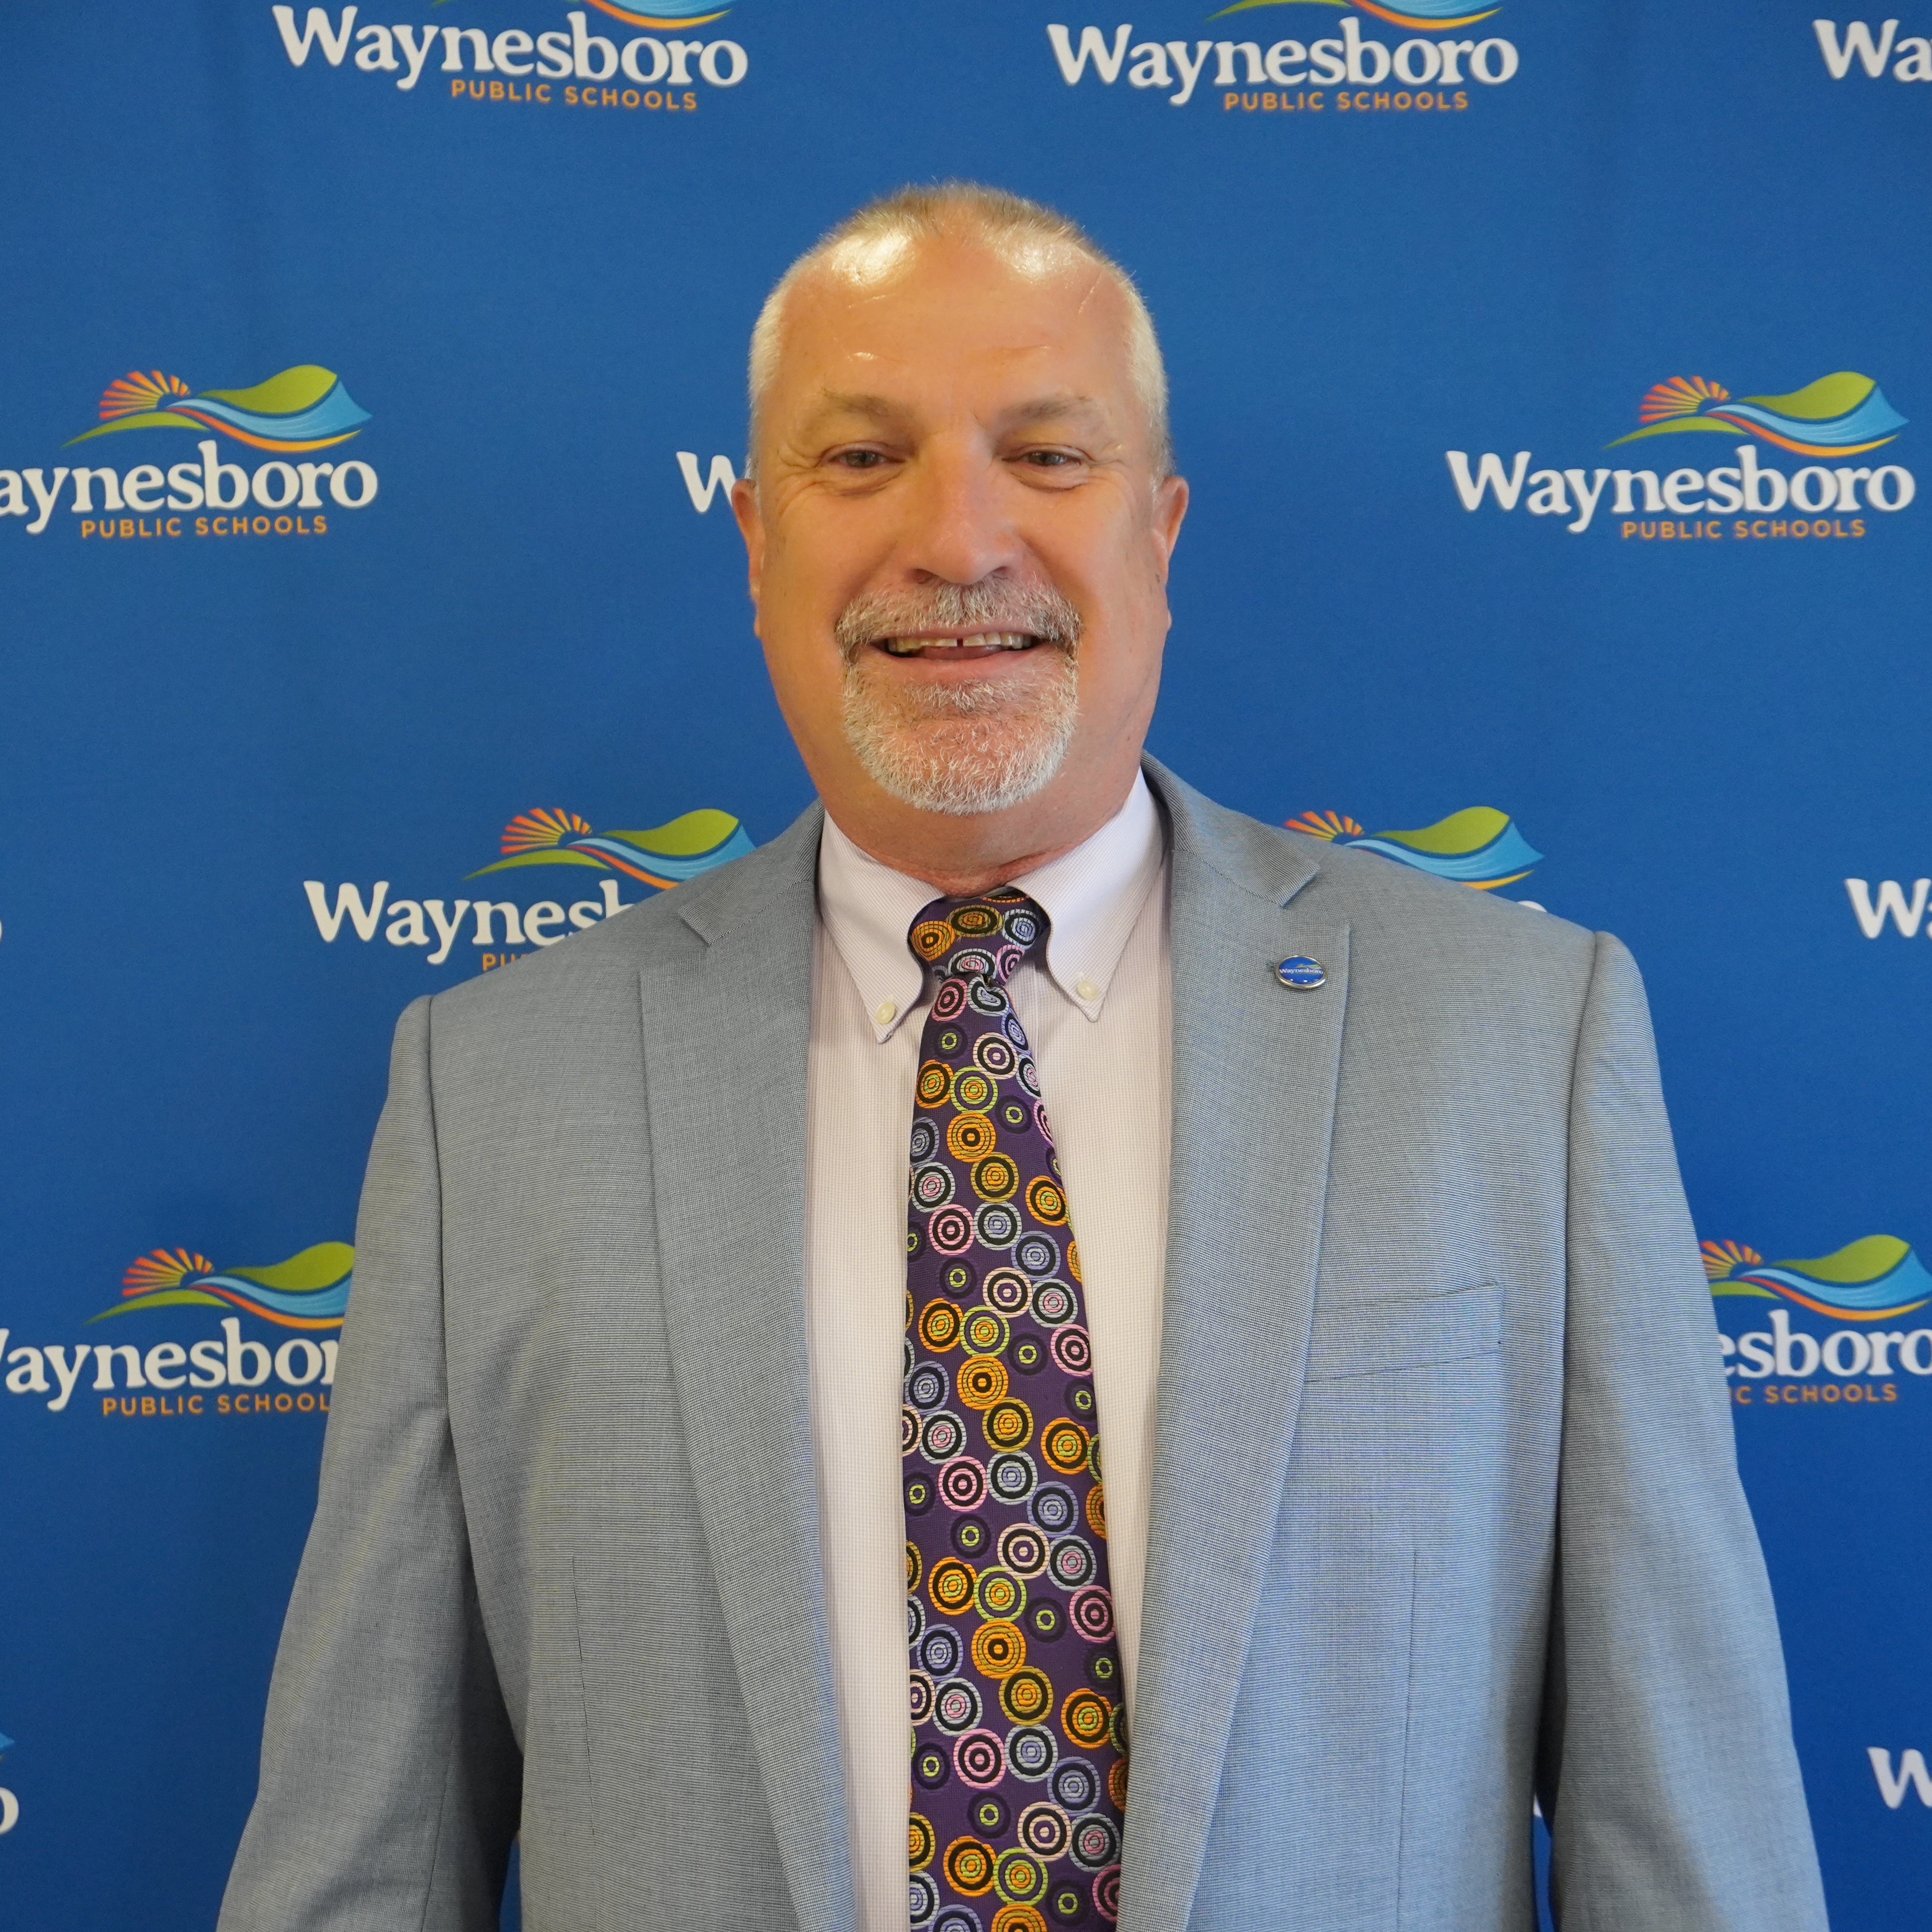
[1019,1768]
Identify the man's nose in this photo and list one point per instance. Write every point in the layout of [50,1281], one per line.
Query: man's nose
[959,525]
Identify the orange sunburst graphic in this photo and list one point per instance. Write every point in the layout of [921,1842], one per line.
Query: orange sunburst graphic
[1724,1258]
[1681,396]
[1325,825]
[535,831]
[164,1268]
[135,392]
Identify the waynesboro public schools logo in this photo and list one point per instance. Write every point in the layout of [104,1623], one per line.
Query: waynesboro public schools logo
[228,1373]
[1837,417]
[1877,1280]
[298,413]
[549,836]
[659,75]
[1350,73]
[1480,847]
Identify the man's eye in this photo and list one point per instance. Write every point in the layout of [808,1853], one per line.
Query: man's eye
[1049,459]
[859,459]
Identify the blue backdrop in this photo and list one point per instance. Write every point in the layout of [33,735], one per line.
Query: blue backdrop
[1552,377]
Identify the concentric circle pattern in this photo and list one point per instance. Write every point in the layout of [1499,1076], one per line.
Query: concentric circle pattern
[1018,1753]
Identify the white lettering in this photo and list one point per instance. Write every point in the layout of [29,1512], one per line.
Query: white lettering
[67,1377]
[1892,904]
[1489,476]
[285,1362]
[315,33]
[1903,487]
[629,60]
[163,1356]
[376,52]
[1106,64]
[702,491]
[365,485]
[1367,61]
[582,42]
[1833,1352]
[1189,74]
[1500,56]
[486,910]
[417,55]
[29,1374]
[1911,1763]
[1858,41]
[445,928]
[720,55]
[406,926]
[1224,51]
[348,899]
[1546,497]
[240,1353]
[43,495]
[1586,494]
[105,1355]
[1797,1352]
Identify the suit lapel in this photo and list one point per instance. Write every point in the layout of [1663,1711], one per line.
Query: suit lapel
[1255,1071]
[725,1058]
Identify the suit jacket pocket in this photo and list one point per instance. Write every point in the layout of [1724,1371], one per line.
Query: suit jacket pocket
[1411,1332]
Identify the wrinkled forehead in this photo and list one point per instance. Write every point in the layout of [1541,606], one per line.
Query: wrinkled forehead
[951,323]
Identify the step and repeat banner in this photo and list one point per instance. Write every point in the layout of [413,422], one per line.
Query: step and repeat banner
[1555,383]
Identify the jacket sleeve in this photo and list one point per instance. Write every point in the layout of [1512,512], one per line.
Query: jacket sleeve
[1667,1769]
[390,1779]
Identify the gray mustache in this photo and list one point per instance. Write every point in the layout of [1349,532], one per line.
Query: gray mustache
[1033,610]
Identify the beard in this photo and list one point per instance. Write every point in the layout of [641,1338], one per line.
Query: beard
[968,747]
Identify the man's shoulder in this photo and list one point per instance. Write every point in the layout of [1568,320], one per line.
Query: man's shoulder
[666,934]
[1398,915]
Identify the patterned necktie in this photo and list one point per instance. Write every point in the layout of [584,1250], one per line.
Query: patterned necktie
[1019,1769]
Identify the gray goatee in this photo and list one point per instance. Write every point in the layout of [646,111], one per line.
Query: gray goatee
[962,749]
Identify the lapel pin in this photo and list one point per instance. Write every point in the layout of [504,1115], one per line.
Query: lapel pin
[1301,973]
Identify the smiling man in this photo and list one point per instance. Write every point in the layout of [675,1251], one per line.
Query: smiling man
[748,1288]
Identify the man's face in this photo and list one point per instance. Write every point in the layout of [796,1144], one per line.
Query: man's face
[959,543]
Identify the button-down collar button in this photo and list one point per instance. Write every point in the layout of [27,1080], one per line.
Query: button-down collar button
[885,1012]
[1086,988]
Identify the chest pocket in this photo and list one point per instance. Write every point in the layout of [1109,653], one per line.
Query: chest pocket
[1411,1332]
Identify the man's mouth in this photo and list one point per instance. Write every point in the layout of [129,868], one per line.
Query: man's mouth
[958,650]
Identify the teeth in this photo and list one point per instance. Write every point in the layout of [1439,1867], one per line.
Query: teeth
[998,640]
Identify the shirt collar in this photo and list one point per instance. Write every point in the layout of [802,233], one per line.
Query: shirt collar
[1092,896]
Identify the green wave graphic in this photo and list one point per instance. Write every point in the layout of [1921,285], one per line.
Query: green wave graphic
[319,1266]
[1830,396]
[685,836]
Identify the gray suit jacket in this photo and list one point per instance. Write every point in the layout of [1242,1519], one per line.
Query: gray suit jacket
[1445,1509]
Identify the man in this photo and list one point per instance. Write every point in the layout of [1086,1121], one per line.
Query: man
[1024,1096]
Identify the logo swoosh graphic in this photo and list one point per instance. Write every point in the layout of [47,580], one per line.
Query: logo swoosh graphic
[664,857]
[1479,847]
[309,1290]
[303,408]
[1868,1280]
[1841,415]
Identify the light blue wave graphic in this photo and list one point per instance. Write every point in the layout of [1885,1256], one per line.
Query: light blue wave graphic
[1872,418]
[326,1304]
[663,864]
[336,413]
[1507,853]
[1909,1281]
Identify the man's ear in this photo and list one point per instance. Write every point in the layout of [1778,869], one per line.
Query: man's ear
[1170,507]
[751,528]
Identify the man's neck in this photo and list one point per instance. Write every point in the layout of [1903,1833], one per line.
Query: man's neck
[962,855]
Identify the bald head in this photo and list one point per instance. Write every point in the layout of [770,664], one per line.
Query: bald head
[886,242]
